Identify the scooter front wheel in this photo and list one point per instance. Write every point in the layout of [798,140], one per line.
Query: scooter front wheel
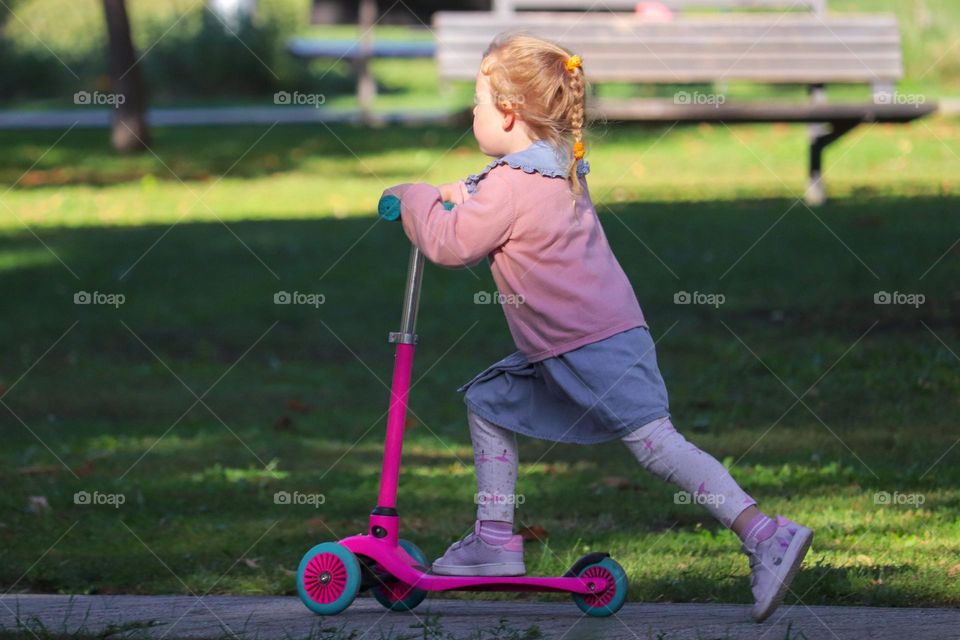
[608,601]
[328,578]
[399,596]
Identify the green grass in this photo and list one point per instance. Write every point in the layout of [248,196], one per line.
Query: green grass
[299,390]
[248,173]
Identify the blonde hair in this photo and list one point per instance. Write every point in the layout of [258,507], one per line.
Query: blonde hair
[543,84]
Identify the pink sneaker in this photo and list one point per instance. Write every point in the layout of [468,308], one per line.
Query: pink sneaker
[471,556]
[773,564]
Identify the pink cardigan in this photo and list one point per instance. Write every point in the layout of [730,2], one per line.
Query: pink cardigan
[559,283]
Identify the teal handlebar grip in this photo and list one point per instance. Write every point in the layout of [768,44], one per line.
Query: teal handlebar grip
[389,208]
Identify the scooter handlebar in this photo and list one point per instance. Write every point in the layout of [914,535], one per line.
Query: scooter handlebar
[389,208]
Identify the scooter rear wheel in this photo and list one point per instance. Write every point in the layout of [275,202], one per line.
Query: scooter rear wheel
[608,601]
[399,596]
[328,578]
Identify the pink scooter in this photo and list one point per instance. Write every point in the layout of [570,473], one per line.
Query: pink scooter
[331,574]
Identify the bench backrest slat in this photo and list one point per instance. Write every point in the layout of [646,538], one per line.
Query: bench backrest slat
[508,6]
[773,49]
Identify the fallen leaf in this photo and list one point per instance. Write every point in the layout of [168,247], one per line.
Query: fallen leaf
[315,525]
[85,469]
[296,405]
[868,222]
[616,482]
[38,469]
[252,562]
[533,533]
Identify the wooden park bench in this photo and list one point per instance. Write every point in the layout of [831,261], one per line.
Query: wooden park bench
[805,47]
[359,52]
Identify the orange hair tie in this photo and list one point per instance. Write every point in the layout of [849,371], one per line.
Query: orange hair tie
[578,150]
[574,62]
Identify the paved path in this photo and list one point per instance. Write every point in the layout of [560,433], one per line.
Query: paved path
[206,116]
[284,618]
[101,118]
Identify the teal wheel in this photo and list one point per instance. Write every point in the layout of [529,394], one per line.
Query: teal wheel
[328,578]
[608,601]
[398,596]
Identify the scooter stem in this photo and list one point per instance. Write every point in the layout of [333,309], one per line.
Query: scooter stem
[406,338]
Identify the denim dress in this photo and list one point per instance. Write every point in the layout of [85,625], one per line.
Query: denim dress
[596,393]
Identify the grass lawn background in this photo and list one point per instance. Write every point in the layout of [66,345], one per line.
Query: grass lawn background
[199,235]
[298,398]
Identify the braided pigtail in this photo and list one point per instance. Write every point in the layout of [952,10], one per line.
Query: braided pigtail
[577,91]
[553,85]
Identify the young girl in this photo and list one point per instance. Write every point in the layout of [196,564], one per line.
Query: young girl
[586,369]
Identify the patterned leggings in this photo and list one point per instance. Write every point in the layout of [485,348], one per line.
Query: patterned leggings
[657,446]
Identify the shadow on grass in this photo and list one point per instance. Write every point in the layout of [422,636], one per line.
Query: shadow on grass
[796,296]
[84,156]
[306,386]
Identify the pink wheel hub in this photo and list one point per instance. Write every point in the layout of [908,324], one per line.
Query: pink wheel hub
[325,578]
[603,598]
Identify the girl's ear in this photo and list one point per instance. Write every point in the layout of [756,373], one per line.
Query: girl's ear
[509,119]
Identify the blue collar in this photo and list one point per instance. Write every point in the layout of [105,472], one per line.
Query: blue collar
[540,157]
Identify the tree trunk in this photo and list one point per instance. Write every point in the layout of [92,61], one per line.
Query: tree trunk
[233,13]
[129,125]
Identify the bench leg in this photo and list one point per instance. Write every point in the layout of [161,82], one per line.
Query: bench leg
[366,84]
[366,90]
[821,135]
